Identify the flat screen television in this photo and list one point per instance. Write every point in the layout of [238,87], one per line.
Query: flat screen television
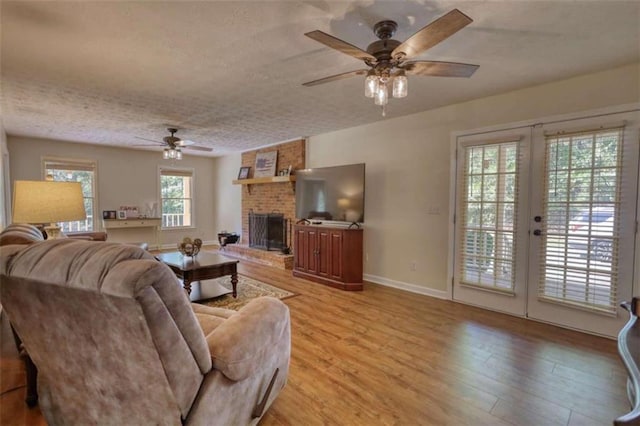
[331,193]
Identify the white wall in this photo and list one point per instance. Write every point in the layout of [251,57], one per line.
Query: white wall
[408,168]
[125,177]
[228,198]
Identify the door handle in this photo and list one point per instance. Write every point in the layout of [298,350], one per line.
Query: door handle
[537,232]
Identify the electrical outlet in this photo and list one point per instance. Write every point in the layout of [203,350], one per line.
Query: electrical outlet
[412,265]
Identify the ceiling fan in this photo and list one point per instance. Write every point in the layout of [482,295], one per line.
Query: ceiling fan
[175,145]
[387,58]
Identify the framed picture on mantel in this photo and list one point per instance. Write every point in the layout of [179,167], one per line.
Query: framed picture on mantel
[266,164]
[244,173]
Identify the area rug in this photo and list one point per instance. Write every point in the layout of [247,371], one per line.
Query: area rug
[248,289]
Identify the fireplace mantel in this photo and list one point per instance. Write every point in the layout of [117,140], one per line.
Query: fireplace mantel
[273,179]
[263,180]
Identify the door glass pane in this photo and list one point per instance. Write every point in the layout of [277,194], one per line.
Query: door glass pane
[581,207]
[490,173]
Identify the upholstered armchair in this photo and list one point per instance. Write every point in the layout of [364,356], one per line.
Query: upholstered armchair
[116,340]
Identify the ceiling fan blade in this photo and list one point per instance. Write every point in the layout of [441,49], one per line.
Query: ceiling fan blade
[437,31]
[440,69]
[150,140]
[183,142]
[335,77]
[198,148]
[340,45]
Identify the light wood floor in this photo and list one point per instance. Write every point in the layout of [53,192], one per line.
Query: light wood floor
[384,356]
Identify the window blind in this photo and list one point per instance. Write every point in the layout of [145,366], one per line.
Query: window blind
[581,232]
[489,215]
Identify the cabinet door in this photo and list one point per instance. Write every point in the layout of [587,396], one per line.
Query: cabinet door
[301,250]
[312,251]
[324,252]
[336,239]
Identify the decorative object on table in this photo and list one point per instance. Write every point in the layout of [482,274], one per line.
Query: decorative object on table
[109,214]
[266,164]
[248,289]
[122,214]
[188,247]
[244,173]
[151,209]
[225,238]
[50,202]
[130,212]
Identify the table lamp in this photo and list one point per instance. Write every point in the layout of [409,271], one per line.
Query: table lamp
[47,202]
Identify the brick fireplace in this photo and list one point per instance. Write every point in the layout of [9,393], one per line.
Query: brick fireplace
[269,198]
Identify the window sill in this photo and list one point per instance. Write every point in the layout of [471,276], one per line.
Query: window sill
[178,228]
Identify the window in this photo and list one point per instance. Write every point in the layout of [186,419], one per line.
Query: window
[489,212]
[83,171]
[176,192]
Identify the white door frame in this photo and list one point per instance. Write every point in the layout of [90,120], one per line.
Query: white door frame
[530,123]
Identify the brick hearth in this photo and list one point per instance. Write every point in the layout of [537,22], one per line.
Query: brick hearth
[270,258]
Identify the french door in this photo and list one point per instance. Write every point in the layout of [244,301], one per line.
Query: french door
[491,201]
[549,235]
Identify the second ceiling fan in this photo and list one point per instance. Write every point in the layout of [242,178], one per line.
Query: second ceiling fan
[175,145]
[387,58]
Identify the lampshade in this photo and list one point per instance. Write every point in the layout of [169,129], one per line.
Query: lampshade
[47,202]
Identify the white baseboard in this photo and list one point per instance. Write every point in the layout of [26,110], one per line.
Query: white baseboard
[440,294]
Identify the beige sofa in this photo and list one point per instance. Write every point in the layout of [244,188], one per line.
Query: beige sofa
[20,233]
[116,340]
[23,233]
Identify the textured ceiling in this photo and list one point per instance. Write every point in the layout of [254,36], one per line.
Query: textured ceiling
[229,74]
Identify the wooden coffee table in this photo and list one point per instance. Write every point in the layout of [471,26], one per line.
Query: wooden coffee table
[204,266]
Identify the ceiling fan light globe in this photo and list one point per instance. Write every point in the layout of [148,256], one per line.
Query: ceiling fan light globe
[178,154]
[165,154]
[382,95]
[370,86]
[400,86]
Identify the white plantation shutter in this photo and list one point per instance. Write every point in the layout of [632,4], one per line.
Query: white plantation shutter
[581,230]
[488,215]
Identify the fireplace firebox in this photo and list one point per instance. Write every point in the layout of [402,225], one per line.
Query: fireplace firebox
[268,231]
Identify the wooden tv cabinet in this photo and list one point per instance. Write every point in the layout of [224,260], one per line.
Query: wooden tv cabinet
[328,255]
